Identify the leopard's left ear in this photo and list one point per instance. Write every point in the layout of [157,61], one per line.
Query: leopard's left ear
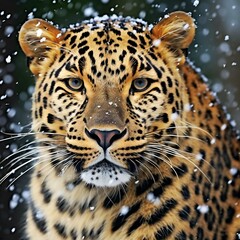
[176,30]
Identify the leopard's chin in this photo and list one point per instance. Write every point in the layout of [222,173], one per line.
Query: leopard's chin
[105,174]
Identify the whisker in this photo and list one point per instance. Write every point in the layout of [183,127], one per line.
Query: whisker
[26,163]
[175,152]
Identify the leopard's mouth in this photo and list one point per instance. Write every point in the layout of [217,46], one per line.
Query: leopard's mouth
[105,174]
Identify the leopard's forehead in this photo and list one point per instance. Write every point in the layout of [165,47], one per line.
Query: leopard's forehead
[105,46]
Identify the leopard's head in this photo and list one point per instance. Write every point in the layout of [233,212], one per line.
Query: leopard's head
[108,91]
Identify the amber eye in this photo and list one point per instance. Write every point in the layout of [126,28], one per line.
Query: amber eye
[74,84]
[140,84]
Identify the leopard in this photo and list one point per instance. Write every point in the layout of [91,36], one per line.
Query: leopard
[132,144]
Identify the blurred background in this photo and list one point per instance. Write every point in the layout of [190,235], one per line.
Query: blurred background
[215,50]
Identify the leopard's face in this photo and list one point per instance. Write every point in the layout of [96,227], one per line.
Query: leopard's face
[108,92]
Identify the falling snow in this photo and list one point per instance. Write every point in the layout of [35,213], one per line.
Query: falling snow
[203,208]
[14,201]
[195,3]
[8,59]
[153,199]
[199,156]
[174,116]
[233,171]
[220,63]
[156,42]
[124,210]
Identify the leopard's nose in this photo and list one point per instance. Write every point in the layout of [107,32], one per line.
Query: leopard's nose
[105,138]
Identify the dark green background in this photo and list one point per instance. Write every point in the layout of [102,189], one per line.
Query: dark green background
[216,20]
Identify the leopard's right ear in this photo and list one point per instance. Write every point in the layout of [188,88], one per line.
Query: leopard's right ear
[37,39]
[36,36]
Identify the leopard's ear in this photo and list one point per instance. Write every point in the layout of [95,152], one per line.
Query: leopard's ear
[177,30]
[37,37]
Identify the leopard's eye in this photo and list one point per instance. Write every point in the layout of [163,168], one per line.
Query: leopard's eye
[140,84]
[75,84]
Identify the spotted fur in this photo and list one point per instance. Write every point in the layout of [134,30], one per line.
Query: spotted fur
[131,142]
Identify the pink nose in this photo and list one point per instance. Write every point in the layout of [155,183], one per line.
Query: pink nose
[105,138]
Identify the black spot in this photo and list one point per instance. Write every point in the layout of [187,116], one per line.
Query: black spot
[47,195]
[145,185]
[153,56]
[132,43]
[224,190]
[39,97]
[200,234]
[164,87]
[180,170]
[157,192]
[44,129]
[45,87]
[45,102]
[189,149]
[165,118]
[226,157]
[50,118]
[40,111]
[170,84]
[121,80]
[39,220]
[135,225]
[181,236]
[158,71]
[90,54]
[166,207]
[134,65]
[83,50]
[131,50]
[184,213]
[81,64]
[52,87]
[100,229]
[132,35]
[164,232]
[73,234]
[208,114]
[121,219]
[224,235]
[84,35]
[185,192]
[114,198]
[206,191]
[62,57]
[83,43]
[122,56]
[122,67]
[230,214]
[60,228]
[132,166]
[210,218]
[62,204]
[170,98]
[236,193]
[194,85]
[195,218]
[67,36]
[73,39]
[142,40]
[94,71]
[116,32]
